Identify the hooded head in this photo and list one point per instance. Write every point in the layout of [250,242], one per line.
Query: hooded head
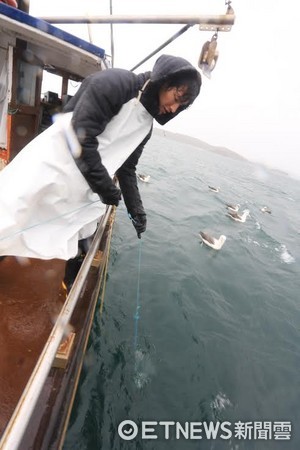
[174,85]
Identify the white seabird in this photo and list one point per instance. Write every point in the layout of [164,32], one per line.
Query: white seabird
[233,208]
[239,217]
[212,242]
[144,178]
[266,209]
[214,189]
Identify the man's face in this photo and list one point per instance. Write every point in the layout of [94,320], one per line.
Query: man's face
[170,99]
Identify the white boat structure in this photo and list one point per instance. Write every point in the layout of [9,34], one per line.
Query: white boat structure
[41,361]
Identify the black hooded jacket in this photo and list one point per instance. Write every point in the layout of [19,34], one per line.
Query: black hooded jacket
[99,98]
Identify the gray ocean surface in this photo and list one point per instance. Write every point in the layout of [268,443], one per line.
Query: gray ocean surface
[190,334]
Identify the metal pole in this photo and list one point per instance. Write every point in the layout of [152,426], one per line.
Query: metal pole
[183,30]
[220,20]
[112,48]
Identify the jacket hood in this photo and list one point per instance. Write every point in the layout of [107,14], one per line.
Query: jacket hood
[167,65]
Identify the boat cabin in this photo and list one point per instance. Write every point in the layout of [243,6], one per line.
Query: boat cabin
[30,47]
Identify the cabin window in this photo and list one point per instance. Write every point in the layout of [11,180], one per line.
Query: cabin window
[26,92]
[51,83]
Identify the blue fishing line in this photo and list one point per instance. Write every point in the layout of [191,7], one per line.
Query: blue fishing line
[47,221]
[138,306]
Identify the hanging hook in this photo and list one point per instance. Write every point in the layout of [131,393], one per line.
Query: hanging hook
[229,7]
[209,56]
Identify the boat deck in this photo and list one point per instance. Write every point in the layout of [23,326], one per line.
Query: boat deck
[31,296]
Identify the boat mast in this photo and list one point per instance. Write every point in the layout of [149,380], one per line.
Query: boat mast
[112,48]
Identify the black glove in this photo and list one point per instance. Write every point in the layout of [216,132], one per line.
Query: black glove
[139,222]
[111,196]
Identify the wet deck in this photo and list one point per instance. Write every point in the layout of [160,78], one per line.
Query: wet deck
[31,296]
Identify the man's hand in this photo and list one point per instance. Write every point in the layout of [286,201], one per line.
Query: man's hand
[139,222]
[112,197]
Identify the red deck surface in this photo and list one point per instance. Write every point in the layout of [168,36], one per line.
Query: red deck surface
[31,296]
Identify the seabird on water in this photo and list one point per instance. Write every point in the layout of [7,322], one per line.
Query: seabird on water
[239,217]
[212,242]
[233,208]
[266,209]
[144,178]
[214,189]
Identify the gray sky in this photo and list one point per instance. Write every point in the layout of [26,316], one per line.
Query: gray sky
[251,104]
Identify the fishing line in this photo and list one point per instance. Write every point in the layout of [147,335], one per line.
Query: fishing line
[138,306]
[143,367]
[104,275]
[48,221]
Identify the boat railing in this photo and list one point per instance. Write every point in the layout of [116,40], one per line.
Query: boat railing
[16,427]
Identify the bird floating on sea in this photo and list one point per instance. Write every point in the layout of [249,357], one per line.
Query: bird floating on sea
[214,189]
[233,208]
[239,217]
[266,209]
[144,178]
[212,242]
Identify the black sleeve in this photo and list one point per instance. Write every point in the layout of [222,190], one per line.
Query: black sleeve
[128,180]
[98,100]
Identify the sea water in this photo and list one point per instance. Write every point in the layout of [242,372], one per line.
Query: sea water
[218,337]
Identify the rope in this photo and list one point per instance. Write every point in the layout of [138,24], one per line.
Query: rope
[137,310]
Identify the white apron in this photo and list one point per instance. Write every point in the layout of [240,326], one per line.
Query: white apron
[46,205]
